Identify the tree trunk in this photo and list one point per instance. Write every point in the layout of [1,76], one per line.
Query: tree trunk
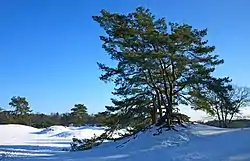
[154,111]
[159,104]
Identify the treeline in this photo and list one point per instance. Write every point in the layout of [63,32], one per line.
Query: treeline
[22,114]
[239,123]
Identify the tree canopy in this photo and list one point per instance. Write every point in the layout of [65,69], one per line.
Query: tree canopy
[222,100]
[158,64]
[79,114]
[20,105]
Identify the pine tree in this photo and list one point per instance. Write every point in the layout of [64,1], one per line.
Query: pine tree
[158,63]
[21,109]
[20,105]
[79,114]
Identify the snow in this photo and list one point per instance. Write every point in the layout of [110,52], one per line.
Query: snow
[195,143]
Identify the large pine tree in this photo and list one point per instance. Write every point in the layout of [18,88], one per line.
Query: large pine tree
[158,63]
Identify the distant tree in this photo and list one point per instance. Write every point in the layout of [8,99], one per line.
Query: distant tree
[236,99]
[20,105]
[65,119]
[40,120]
[98,119]
[222,100]
[22,111]
[79,114]
[56,117]
[6,117]
[21,115]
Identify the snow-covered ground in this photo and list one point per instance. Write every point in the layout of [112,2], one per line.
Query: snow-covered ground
[196,143]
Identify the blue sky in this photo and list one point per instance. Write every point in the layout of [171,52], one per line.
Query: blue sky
[49,49]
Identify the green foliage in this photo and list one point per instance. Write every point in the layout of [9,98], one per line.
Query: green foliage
[79,114]
[158,63]
[159,66]
[240,123]
[20,105]
[209,97]
[21,111]
[222,100]
[76,144]
[99,119]
[22,115]
[84,144]
[40,120]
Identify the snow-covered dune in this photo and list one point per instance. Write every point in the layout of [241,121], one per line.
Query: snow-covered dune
[54,136]
[196,143]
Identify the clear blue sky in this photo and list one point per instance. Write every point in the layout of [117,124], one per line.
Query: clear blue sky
[49,48]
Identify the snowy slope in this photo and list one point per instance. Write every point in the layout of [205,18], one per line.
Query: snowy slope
[20,140]
[55,136]
[196,143]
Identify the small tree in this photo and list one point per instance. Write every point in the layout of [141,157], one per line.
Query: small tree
[21,109]
[79,114]
[20,105]
[222,100]
[237,98]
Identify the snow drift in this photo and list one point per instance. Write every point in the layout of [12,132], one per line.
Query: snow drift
[195,143]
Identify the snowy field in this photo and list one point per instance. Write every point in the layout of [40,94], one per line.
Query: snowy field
[196,143]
